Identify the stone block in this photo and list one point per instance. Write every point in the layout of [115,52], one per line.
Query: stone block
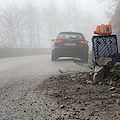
[99,74]
[106,62]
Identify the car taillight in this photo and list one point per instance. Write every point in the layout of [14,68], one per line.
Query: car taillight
[58,41]
[83,41]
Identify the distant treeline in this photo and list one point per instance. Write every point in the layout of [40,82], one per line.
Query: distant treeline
[32,26]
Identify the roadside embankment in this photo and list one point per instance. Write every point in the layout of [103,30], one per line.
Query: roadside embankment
[76,98]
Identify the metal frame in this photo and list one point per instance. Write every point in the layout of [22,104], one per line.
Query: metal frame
[105,46]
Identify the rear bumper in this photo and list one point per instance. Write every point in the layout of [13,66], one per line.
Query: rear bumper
[70,52]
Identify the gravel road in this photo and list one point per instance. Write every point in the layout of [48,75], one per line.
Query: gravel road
[19,78]
[35,88]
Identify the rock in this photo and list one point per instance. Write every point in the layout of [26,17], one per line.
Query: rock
[110,82]
[72,75]
[60,71]
[98,69]
[52,109]
[56,95]
[91,75]
[115,95]
[88,118]
[62,106]
[106,62]
[118,102]
[82,109]
[99,74]
[73,79]
[75,113]
[24,111]
[59,118]
[91,114]
[78,88]
[66,98]
[107,70]
[109,64]
[77,117]
[116,69]
[100,83]
[36,111]
[117,65]
[112,89]
[68,103]
[85,103]
[89,82]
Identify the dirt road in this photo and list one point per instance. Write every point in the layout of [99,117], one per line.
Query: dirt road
[19,78]
[35,88]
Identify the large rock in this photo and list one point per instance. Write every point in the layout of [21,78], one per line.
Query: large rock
[115,71]
[106,68]
[117,66]
[99,74]
[107,63]
[98,69]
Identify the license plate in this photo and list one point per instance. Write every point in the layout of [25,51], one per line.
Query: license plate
[70,44]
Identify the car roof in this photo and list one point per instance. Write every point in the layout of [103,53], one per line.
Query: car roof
[70,33]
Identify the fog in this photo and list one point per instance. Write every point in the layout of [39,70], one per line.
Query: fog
[33,24]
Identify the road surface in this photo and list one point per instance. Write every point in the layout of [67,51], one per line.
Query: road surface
[19,76]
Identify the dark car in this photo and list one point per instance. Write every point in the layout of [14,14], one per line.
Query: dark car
[70,44]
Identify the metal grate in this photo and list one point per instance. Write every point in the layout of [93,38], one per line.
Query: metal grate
[105,46]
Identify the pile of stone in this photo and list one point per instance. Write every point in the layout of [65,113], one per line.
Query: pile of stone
[107,70]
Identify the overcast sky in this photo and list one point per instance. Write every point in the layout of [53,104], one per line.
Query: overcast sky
[86,5]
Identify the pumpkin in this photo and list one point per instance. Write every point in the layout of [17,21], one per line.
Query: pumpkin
[103,29]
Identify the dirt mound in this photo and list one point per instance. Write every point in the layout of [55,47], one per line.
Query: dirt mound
[76,98]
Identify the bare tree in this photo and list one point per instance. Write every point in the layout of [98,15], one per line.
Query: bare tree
[32,26]
[109,6]
[9,21]
[50,18]
[29,23]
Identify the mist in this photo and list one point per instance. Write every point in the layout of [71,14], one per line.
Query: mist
[28,24]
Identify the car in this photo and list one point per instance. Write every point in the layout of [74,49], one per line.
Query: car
[70,44]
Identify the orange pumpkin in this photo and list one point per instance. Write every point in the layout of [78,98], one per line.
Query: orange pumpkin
[103,29]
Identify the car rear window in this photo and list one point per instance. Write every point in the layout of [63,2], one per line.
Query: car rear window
[71,36]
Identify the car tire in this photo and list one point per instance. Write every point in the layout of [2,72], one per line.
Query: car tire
[84,58]
[54,57]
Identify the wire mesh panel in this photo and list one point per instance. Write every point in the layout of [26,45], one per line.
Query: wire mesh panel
[105,46]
